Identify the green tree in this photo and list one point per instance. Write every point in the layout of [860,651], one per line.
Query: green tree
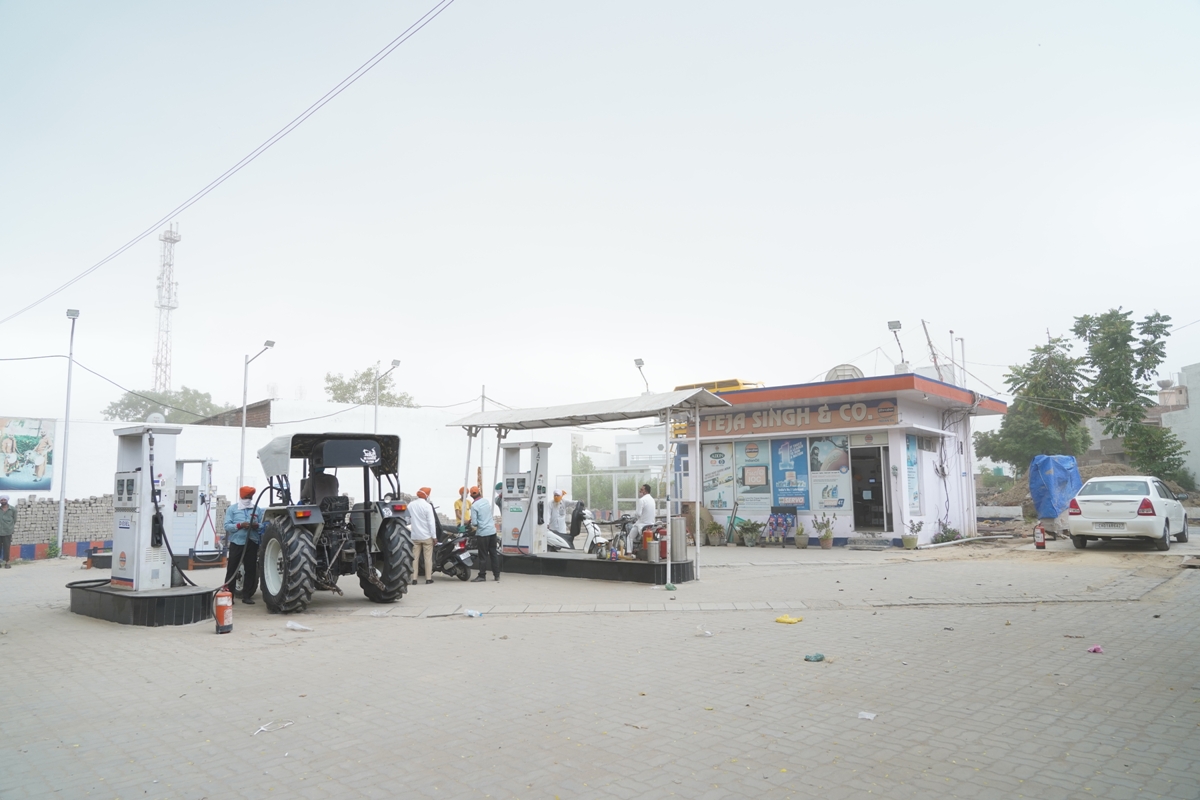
[1053,380]
[1122,357]
[1022,435]
[361,389]
[1159,452]
[184,406]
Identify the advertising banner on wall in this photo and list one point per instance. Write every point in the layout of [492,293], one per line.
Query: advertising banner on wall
[914,486]
[791,473]
[752,476]
[26,454]
[829,473]
[718,475]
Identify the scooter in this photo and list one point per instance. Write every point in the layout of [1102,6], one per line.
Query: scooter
[451,556]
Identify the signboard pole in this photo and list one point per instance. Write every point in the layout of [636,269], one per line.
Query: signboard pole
[62,470]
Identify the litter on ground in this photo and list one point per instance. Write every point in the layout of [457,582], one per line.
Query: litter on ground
[815,657]
[866,715]
[788,619]
[1095,649]
[296,626]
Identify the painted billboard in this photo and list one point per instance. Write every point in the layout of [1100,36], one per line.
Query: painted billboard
[752,477]
[829,473]
[26,454]
[871,413]
[791,473]
[718,475]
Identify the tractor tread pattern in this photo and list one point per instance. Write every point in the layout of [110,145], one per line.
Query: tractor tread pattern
[299,569]
[394,562]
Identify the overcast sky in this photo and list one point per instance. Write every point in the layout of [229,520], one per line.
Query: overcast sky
[529,195]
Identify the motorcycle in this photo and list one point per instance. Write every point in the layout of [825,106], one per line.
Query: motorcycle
[451,556]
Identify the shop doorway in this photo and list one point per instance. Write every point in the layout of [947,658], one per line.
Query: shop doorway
[872,506]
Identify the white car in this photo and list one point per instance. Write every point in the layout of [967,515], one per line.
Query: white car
[1127,507]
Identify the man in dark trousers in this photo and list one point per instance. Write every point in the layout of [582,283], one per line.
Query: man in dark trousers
[485,533]
[243,523]
[8,524]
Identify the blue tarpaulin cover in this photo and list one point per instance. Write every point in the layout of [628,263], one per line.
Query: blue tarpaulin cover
[1053,481]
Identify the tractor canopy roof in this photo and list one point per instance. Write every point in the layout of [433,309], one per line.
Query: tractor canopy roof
[380,452]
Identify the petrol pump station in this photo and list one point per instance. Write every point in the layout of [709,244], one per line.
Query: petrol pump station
[194,536]
[140,591]
[524,511]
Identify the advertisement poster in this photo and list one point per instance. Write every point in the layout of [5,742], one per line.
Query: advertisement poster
[753,477]
[718,475]
[791,473]
[26,453]
[914,487]
[829,473]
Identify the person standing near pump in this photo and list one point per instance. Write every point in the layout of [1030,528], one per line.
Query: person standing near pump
[8,524]
[646,512]
[558,516]
[485,533]
[461,518]
[244,524]
[423,521]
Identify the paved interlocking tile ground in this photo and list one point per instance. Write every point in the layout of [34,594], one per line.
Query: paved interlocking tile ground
[969,660]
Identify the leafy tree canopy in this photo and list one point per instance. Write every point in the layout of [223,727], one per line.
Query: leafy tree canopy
[1023,436]
[1159,452]
[1122,357]
[1053,381]
[361,389]
[183,406]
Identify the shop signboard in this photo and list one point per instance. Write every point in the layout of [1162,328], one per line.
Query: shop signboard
[27,454]
[752,476]
[791,473]
[914,486]
[837,416]
[829,473]
[718,475]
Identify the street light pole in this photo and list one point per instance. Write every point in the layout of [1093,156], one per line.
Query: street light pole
[637,362]
[378,377]
[72,314]
[267,345]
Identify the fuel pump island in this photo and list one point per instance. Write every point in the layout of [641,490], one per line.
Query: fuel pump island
[141,590]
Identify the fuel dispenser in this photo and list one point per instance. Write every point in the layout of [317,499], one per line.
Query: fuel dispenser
[142,497]
[524,510]
[194,530]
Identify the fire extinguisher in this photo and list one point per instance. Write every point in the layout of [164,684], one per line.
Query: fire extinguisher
[223,610]
[1039,537]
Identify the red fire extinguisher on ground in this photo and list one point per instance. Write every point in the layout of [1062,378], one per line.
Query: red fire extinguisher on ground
[1039,537]
[223,610]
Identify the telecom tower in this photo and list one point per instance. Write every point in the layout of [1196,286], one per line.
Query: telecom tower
[167,302]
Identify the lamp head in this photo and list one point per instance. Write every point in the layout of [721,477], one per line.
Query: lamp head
[637,362]
[395,362]
[72,313]
[268,343]
[894,325]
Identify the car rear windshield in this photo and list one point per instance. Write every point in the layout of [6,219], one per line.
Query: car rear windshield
[1135,488]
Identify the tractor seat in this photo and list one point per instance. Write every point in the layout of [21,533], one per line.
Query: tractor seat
[319,486]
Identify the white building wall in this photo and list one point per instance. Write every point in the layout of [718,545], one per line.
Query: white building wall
[1185,423]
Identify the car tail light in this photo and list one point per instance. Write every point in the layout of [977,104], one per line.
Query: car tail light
[1146,509]
[303,514]
[1073,509]
[400,507]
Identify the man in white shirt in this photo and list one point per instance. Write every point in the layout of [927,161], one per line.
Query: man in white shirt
[558,516]
[424,532]
[645,515]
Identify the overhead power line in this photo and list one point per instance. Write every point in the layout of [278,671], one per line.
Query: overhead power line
[345,83]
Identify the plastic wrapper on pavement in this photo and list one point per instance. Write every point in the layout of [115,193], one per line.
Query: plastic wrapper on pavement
[1053,481]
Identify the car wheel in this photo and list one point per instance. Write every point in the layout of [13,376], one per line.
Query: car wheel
[1165,542]
[1079,541]
[1183,534]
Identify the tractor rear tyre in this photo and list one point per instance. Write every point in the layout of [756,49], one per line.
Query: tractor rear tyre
[287,566]
[393,565]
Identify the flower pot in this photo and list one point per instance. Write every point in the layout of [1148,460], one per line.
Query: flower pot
[801,540]
[827,544]
[716,541]
[909,540]
[751,540]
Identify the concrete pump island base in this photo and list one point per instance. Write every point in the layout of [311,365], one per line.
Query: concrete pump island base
[524,485]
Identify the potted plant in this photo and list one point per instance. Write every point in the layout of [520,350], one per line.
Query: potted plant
[824,528]
[801,534]
[909,540]
[749,530]
[715,533]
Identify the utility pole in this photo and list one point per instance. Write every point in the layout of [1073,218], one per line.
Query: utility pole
[166,303]
[932,351]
